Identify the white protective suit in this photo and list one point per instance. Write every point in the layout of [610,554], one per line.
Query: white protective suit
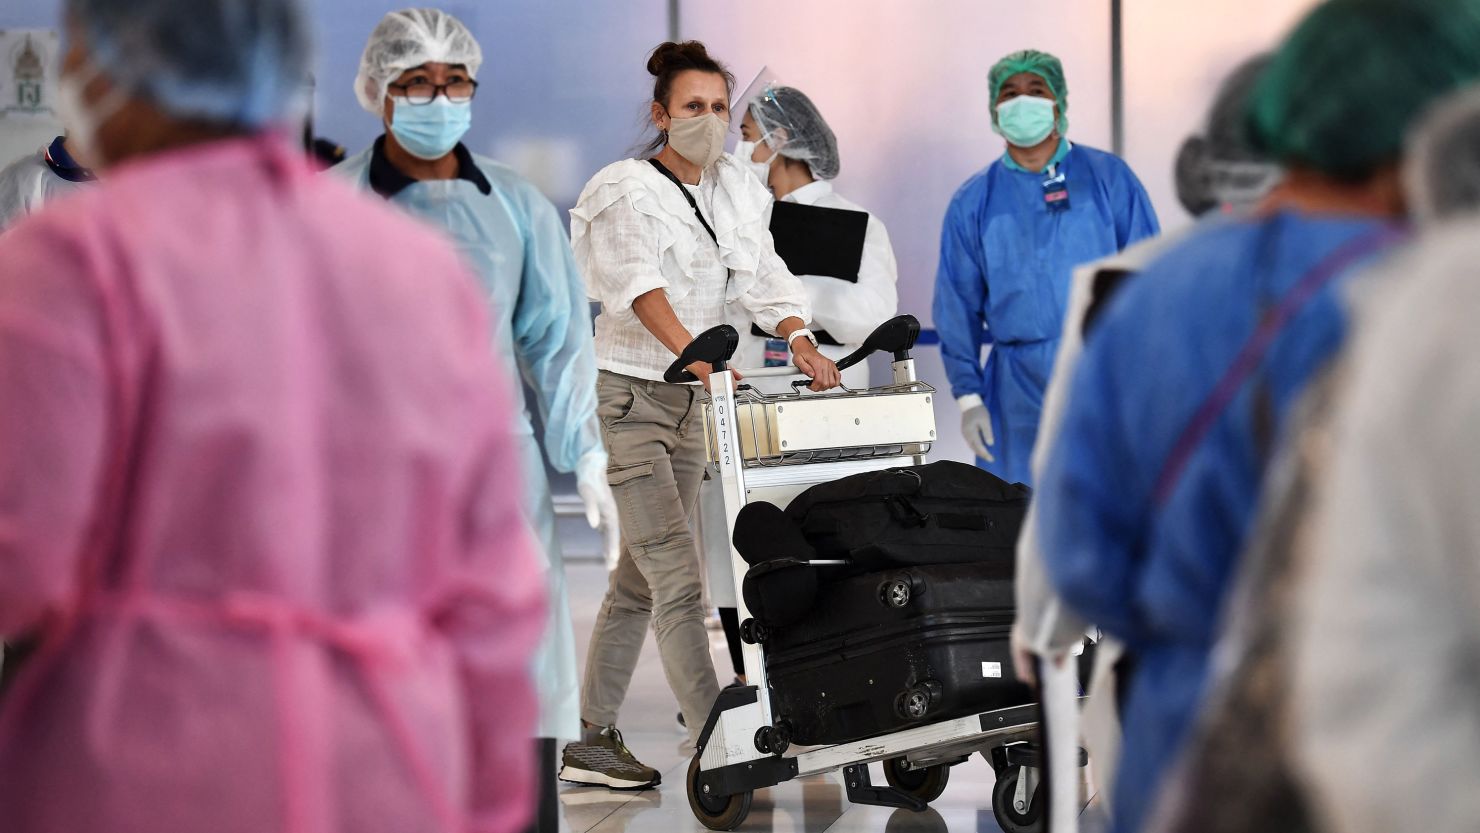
[1386,634]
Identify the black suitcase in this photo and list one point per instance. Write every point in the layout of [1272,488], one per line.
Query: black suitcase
[894,649]
[940,513]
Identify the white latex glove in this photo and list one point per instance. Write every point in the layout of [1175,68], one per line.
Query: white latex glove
[976,426]
[601,505]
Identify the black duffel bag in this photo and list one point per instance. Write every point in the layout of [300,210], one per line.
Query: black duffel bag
[940,513]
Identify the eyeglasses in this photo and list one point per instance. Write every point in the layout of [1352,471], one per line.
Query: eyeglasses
[458,92]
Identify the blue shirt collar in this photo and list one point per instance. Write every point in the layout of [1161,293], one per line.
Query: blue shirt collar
[1058,156]
[63,165]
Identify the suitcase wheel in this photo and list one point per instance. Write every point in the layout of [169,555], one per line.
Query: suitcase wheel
[915,702]
[753,632]
[897,593]
[773,740]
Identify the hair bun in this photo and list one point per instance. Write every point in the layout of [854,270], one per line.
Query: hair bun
[689,54]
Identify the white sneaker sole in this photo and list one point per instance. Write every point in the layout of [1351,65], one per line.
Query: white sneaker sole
[587,778]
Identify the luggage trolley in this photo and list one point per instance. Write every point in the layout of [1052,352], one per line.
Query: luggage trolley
[772,448]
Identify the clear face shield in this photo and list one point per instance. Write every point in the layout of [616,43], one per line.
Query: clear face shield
[759,89]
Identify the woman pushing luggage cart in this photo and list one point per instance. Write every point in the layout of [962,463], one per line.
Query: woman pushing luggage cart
[895,651]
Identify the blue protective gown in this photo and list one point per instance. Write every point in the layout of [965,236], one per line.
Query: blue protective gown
[516,242]
[1005,262]
[1154,575]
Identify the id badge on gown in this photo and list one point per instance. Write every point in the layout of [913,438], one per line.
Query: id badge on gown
[1056,192]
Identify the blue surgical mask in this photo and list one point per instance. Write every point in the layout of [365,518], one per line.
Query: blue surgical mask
[430,131]
[1026,121]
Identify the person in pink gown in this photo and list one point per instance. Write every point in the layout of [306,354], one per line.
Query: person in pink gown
[259,504]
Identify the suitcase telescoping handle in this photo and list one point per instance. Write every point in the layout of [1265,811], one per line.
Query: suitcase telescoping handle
[716,346]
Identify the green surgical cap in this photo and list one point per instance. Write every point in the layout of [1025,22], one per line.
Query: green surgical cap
[1041,64]
[1344,88]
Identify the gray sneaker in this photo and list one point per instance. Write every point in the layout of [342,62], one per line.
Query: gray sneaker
[601,759]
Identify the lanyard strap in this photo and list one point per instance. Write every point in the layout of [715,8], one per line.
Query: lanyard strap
[686,195]
[1252,355]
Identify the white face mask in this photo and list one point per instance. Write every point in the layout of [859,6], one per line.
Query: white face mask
[80,124]
[762,170]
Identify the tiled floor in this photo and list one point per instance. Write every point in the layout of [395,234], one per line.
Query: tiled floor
[811,805]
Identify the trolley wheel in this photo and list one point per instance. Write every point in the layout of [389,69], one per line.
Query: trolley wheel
[1008,816]
[716,812]
[925,784]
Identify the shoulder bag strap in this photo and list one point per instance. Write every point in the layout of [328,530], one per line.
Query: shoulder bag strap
[686,195]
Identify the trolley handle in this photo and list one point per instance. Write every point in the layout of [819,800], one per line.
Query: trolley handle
[897,336]
[715,346]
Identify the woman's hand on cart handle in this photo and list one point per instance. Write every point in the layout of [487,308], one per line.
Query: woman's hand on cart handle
[703,369]
[819,368]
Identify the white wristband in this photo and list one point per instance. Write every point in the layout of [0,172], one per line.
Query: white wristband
[969,402]
[803,332]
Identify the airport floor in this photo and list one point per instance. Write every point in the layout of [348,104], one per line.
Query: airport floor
[810,805]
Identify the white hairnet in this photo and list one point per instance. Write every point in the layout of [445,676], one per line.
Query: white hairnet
[1442,170]
[410,38]
[214,60]
[808,138]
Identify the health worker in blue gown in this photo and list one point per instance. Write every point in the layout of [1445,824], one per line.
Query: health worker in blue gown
[1012,236]
[1187,384]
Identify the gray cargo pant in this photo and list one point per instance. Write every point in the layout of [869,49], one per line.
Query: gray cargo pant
[654,436]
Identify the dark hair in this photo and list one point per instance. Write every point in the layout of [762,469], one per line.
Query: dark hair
[667,61]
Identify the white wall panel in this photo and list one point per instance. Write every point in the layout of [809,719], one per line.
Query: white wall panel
[1176,55]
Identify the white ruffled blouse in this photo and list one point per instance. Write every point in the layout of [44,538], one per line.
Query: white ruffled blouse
[633,231]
